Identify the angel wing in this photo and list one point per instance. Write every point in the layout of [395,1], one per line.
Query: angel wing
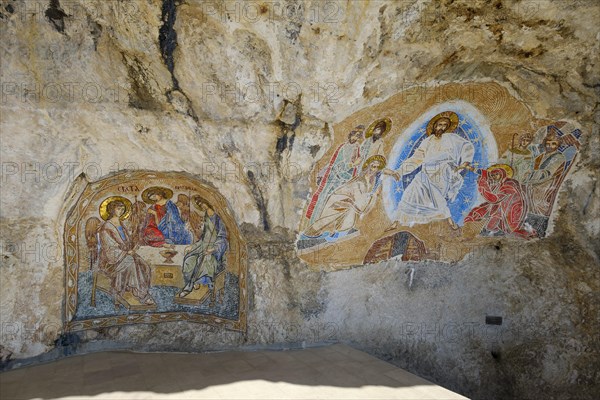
[137,221]
[183,204]
[197,225]
[92,225]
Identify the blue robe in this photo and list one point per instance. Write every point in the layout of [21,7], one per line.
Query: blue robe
[173,227]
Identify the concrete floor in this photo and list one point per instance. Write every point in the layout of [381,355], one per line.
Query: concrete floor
[333,372]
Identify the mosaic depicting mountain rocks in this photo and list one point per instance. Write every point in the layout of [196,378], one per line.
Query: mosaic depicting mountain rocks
[149,247]
[431,173]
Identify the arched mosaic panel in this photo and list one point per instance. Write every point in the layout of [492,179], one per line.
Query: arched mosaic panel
[148,247]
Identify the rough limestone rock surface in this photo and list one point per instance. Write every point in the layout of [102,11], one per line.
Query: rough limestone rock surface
[244,96]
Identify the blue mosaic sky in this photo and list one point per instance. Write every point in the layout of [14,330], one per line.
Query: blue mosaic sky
[408,143]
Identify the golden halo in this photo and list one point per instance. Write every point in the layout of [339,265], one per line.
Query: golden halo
[103,210]
[376,157]
[505,167]
[164,192]
[451,115]
[371,128]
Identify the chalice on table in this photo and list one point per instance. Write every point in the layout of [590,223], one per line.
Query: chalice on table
[168,255]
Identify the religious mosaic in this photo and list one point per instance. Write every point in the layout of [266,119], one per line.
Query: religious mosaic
[429,175]
[147,247]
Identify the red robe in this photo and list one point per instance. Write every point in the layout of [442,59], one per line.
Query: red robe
[152,235]
[505,207]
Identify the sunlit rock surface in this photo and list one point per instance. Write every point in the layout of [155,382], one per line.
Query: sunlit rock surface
[245,96]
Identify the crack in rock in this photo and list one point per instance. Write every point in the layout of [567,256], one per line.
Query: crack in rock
[260,201]
[56,15]
[167,38]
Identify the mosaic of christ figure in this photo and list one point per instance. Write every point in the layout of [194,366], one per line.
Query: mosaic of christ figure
[164,225]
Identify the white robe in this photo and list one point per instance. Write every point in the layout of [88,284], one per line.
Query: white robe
[346,205]
[426,198]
